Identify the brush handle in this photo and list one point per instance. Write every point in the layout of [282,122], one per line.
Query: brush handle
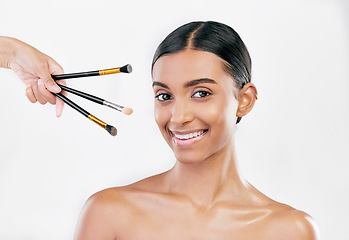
[112,130]
[125,69]
[72,104]
[82,94]
[75,75]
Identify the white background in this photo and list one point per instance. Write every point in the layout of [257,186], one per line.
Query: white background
[293,146]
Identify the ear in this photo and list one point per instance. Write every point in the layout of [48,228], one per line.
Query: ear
[247,97]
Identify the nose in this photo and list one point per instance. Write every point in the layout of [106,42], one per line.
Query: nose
[181,113]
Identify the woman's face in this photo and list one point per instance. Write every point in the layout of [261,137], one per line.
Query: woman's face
[195,104]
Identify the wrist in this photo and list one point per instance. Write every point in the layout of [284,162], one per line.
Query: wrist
[8,48]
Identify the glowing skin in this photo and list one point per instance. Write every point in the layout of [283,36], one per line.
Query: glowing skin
[203,196]
[202,97]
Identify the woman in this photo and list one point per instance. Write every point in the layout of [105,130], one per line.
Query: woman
[201,79]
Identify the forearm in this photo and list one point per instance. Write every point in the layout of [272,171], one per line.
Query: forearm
[7,50]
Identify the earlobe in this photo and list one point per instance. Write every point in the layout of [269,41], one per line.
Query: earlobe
[247,97]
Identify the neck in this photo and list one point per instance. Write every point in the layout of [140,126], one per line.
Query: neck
[209,181]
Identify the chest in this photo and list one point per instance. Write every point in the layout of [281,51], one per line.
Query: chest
[191,224]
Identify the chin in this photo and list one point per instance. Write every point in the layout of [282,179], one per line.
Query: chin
[192,155]
[189,158]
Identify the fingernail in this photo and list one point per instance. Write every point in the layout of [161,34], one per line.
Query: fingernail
[55,88]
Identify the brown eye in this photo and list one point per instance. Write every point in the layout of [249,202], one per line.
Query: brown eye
[163,97]
[201,94]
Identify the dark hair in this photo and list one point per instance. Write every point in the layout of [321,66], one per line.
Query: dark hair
[213,37]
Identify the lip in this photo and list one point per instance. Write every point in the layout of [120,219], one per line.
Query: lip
[190,141]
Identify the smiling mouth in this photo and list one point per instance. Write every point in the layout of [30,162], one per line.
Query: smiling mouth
[188,138]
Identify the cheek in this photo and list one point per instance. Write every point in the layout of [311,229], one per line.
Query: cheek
[219,115]
[209,113]
[161,116]
[157,115]
[220,111]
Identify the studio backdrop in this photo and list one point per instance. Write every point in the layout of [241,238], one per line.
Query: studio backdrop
[293,146]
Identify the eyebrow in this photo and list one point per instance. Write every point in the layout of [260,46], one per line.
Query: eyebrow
[198,81]
[188,84]
[160,84]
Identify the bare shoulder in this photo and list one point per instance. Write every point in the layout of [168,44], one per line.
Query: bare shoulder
[103,214]
[289,223]
[107,212]
[107,200]
[120,198]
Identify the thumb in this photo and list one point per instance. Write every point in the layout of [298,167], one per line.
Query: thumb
[44,73]
[47,80]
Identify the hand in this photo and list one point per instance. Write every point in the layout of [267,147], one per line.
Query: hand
[35,69]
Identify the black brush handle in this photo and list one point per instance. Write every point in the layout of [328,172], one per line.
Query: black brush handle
[75,75]
[72,104]
[82,94]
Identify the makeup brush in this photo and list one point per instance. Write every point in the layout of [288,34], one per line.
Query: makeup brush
[112,130]
[125,69]
[98,100]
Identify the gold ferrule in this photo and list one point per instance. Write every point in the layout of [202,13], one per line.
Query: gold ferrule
[109,71]
[98,121]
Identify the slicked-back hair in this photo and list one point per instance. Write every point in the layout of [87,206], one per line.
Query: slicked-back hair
[213,37]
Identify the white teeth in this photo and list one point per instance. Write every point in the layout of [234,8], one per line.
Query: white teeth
[189,135]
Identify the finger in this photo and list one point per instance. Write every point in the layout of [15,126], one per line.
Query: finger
[45,93]
[54,67]
[59,102]
[30,95]
[37,94]
[62,82]
[45,75]
[59,107]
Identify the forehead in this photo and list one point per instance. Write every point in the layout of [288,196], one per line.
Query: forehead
[188,65]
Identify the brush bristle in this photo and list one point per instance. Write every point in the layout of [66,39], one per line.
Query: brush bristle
[126,69]
[112,130]
[127,111]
